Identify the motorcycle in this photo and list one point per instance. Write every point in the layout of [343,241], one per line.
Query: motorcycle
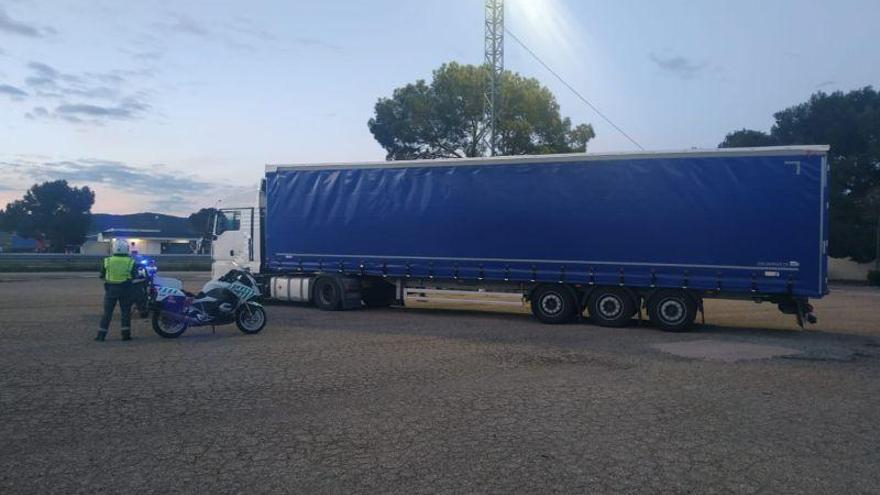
[142,285]
[228,299]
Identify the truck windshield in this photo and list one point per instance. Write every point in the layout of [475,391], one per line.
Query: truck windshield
[227,220]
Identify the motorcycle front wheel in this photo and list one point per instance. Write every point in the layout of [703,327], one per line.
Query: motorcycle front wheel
[250,319]
[167,327]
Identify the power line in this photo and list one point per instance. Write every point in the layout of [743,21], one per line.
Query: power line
[574,91]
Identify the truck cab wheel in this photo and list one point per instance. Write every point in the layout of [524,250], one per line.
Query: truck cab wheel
[611,307]
[672,310]
[328,294]
[553,304]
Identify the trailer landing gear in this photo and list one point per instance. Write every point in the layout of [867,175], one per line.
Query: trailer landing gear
[801,308]
[805,313]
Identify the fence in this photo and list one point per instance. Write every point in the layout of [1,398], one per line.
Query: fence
[14,262]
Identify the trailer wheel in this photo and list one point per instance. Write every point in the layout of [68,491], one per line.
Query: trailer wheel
[553,304]
[328,294]
[611,307]
[672,310]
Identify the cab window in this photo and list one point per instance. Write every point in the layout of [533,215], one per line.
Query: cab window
[229,220]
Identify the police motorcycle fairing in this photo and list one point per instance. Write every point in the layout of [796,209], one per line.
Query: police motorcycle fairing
[228,299]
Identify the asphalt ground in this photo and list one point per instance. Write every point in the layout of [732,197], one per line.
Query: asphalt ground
[410,400]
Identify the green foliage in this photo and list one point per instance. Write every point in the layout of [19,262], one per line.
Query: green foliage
[448,118]
[52,212]
[580,136]
[747,138]
[202,221]
[850,123]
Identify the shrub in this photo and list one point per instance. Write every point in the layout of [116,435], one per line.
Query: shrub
[874,278]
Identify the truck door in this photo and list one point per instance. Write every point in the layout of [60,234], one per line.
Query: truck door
[233,240]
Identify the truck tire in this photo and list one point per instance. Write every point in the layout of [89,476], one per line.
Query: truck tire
[553,304]
[380,294]
[611,307]
[328,294]
[672,310]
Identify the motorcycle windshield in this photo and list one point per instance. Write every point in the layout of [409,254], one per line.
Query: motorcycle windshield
[171,283]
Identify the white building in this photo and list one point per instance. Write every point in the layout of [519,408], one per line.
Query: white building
[147,241]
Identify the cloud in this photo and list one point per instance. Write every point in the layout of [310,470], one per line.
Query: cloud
[127,110]
[119,175]
[38,112]
[827,83]
[122,176]
[146,55]
[678,65]
[12,92]
[97,92]
[44,70]
[91,84]
[240,33]
[249,28]
[107,93]
[11,26]
[170,203]
[183,24]
[158,186]
[48,77]
[315,42]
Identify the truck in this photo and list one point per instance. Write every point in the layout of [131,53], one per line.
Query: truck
[604,236]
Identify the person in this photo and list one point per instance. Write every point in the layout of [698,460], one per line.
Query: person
[117,271]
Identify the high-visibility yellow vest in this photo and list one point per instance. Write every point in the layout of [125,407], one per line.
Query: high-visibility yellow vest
[117,269]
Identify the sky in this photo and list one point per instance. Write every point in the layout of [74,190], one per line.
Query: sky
[169,106]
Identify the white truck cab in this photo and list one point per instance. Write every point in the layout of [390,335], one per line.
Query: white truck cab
[237,238]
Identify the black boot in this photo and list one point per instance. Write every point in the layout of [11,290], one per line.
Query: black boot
[126,335]
[102,334]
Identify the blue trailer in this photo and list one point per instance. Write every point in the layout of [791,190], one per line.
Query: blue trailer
[599,234]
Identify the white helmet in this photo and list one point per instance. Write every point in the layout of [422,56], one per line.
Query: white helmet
[120,246]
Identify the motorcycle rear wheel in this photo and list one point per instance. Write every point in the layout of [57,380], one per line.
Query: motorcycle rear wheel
[166,327]
[250,319]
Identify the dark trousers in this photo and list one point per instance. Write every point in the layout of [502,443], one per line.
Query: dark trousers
[117,294]
[138,296]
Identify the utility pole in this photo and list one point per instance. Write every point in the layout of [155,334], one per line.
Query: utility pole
[494,53]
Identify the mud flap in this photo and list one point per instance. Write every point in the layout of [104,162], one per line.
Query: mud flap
[351,292]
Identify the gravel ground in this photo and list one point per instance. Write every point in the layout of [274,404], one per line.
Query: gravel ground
[416,400]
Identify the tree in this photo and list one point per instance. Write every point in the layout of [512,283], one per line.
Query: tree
[580,136]
[201,221]
[449,117]
[850,123]
[747,138]
[51,212]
